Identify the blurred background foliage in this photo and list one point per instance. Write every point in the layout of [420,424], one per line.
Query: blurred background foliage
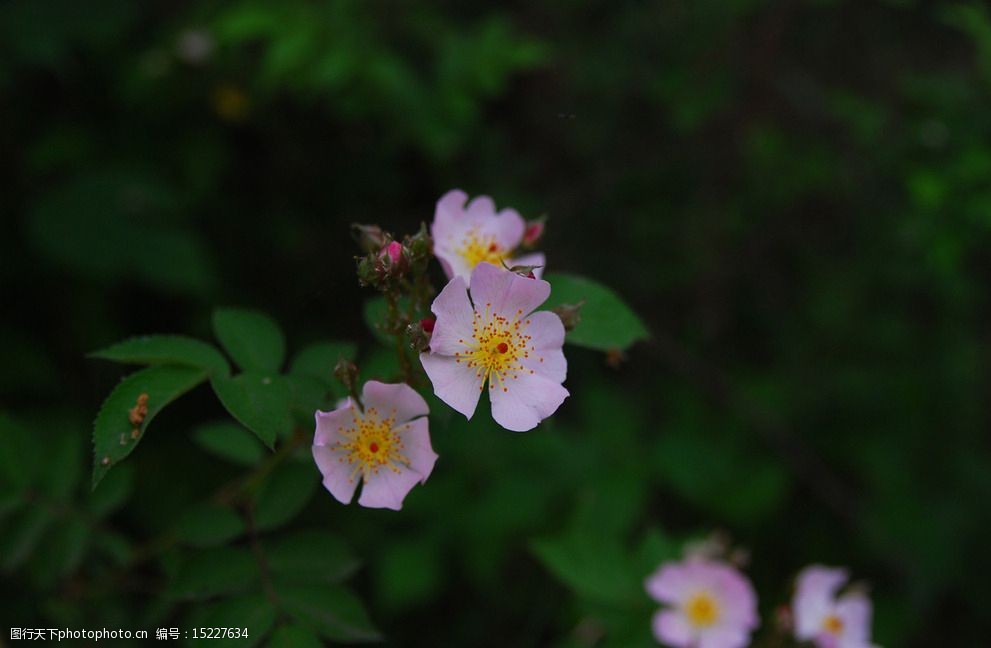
[795,196]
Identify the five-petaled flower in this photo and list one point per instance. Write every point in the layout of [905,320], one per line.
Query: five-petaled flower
[386,445]
[712,605]
[466,236]
[500,341]
[828,620]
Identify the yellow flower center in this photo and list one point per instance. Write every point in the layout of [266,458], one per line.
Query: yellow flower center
[497,348]
[702,610]
[371,444]
[475,249]
[832,624]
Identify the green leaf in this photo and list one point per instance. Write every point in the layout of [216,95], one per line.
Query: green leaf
[253,612]
[594,566]
[258,401]
[205,525]
[112,492]
[318,361]
[294,636]
[311,556]
[284,494]
[252,339]
[606,322]
[112,439]
[229,441]
[166,349]
[215,571]
[332,610]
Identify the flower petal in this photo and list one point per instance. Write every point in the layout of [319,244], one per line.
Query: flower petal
[672,628]
[520,403]
[815,590]
[728,636]
[507,227]
[336,473]
[388,488]
[449,214]
[398,399]
[506,293]
[454,318]
[671,583]
[854,610]
[454,382]
[330,424]
[416,446]
[547,337]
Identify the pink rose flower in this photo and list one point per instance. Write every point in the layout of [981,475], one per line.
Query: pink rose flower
[501,341]
[828,620]
[712,605]
[464,237]
[387,446]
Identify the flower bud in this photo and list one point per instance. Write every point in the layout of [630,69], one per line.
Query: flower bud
[394,252]
[347,372]
[420,332]
[370,238]
[534,232]
[419,245]
[570,314]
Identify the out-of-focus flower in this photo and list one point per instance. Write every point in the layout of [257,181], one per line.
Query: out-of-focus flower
[386,446]
[501,341]
[466,236]
[711,604]
[194,46]
[830,621]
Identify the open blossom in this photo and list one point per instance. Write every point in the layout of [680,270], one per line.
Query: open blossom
[386,446]
[466,236]
[496,338]
[830,621]
[712,605]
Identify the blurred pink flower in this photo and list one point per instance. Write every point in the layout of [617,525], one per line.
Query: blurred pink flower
[387,446]
[829,620]
[712,604]
[466,236]
[501,340]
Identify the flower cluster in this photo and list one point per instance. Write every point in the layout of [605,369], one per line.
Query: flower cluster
[710,603]
[486,331]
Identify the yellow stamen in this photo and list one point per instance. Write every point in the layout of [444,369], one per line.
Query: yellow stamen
[477,248]
[702,610]
[832,624]
[497,348]
[371,444]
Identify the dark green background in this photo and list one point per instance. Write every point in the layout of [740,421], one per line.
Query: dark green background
[795,196]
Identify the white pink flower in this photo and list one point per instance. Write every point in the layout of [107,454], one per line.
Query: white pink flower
[496,338]
[466,236]
[710,604]
[386,446]
[828,620]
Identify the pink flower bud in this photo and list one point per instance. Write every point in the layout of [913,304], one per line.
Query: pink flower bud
[427,324]
[394,251]
[534,230]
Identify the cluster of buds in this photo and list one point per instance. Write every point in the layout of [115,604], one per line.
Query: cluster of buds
[387,261]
